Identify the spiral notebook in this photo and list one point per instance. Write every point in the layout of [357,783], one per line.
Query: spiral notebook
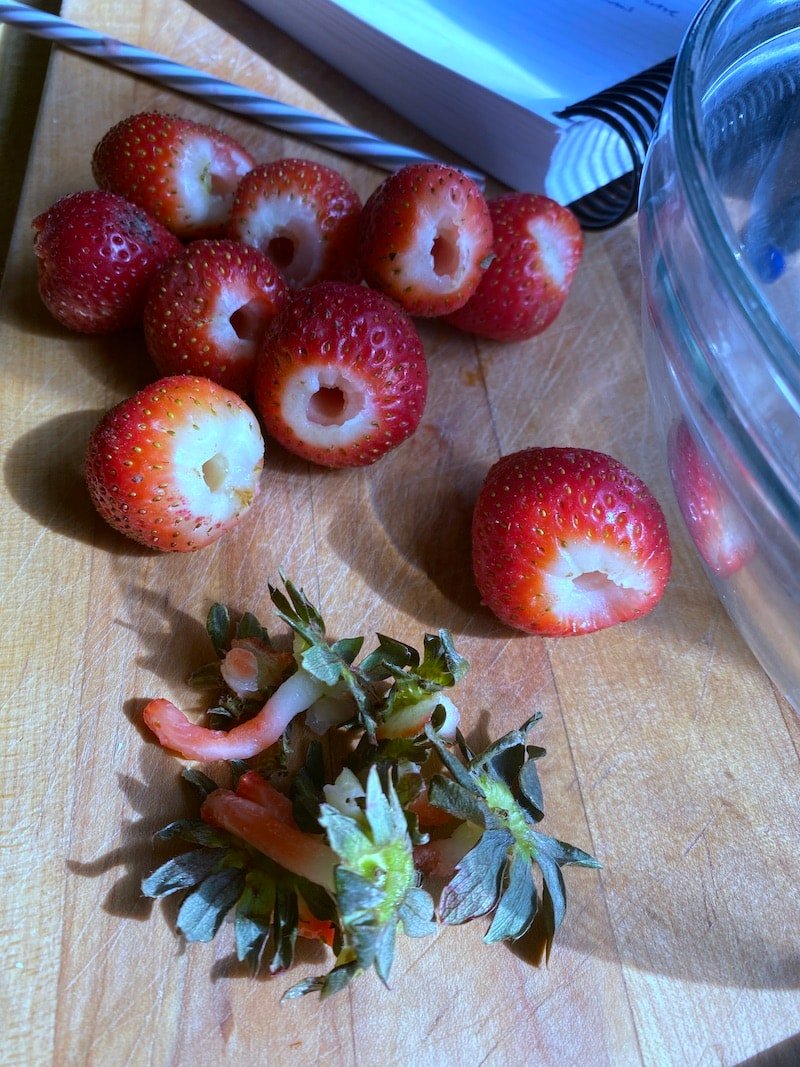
[554,96]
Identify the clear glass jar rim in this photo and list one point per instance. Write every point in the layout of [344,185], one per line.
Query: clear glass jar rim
[701,189]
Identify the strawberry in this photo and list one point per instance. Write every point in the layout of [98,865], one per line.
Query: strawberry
[341,377]
[567,541]
[425,234]
[208,308]
[717,526]
[183,173]
[537,248]
[304,216]
[96,256]
[176,465]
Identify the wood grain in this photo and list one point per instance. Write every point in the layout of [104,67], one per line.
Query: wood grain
[669,754]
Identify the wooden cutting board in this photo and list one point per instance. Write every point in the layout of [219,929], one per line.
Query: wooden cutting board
[670,757]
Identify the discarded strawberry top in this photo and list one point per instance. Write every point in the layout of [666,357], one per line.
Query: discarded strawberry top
[342,856]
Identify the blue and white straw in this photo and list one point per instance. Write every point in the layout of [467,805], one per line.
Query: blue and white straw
[305,125]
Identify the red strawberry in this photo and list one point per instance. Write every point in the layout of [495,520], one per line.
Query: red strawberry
[720,532]
[182,172]
[537,248]
[341,378]
[567,541]
[303,216]
[96,255]
[425,236]
[208,308]
[176,465]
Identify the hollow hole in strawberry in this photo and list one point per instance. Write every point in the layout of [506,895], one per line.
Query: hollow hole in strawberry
[595,582]
[215,471]
[223,182]
[444,252]
[327,406]
[247,321]
[281,251]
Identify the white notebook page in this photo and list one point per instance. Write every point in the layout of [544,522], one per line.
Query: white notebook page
[543,54]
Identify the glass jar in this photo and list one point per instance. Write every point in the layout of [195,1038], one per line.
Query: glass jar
[719,238]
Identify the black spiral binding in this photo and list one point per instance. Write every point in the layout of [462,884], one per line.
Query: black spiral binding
[631,108]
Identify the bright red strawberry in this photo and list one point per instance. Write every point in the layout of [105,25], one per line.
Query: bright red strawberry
[716,524]
[96,256]
[341,378]
[182,172]
[304,216]
[208,309]
[567,541]
[537,248]
[176,465]
[425,236]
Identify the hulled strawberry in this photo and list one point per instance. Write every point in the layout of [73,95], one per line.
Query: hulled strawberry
[304,216]
[538,245]
[96,255]
[716,524]
[183,173]
[567,541]
[425,235]
[176,465]
[208,308]
[341,378]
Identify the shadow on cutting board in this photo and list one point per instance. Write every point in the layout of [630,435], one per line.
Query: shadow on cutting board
[422,512]
[785,1054]
[44,475]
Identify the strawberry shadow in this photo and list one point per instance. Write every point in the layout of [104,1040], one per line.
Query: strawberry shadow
[23,308]
[414,550]
[172,642]
[120,362]
[139,852]
[307,953]
[43,473]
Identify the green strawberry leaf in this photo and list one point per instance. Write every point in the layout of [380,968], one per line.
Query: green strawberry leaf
[499,790]
[219,627]
[518,903]
[475,887]
[203,910]
[457,800]
[199,781]
[249,626]
[196,832]
[182,872]
[284,929]
[441,664]
[253,917]
[390,659]
[208,676]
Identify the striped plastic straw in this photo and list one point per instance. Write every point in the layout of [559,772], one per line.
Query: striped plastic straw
[294,121]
